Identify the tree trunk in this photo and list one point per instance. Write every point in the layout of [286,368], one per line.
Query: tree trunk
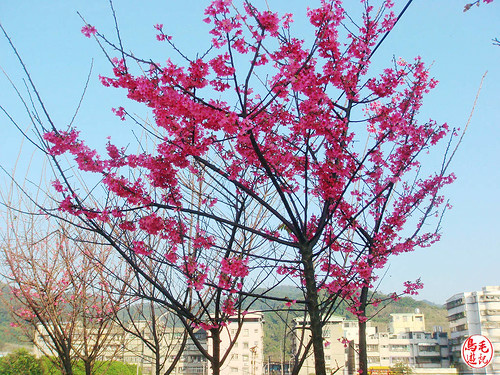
[315,317]
[65,360]
[67,368]
[157,363]
[215,361]
[88,368]
[363,357]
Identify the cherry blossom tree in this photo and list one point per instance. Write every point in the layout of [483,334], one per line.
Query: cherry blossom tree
[272,159]
[60,296]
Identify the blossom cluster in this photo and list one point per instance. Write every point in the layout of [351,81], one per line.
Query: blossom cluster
[286,142]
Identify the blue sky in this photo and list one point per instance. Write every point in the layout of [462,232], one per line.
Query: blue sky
[47,34]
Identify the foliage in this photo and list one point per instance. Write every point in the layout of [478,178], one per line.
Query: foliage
[20,362]
[120,368]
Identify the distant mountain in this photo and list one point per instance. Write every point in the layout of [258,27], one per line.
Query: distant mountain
[431,303]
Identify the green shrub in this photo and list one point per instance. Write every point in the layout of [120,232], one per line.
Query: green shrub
[20,362]
[100,368]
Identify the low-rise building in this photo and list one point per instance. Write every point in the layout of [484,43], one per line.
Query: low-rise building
[416,349]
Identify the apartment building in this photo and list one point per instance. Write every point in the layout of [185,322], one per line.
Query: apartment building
[422,351]
[110,340]
[416,349]
[247,353]
[471,313]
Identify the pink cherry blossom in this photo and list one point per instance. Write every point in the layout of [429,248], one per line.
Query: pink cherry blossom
[89,30]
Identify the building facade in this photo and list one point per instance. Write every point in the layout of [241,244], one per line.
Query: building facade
[472,313]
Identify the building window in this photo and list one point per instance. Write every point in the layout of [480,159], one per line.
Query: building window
[455,303]
[245,345]
[456,316]
[429,348]
[461,327]
[399,348]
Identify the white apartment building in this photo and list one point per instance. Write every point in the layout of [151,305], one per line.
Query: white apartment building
[245,358]
[247,354]
[416,349]
[424,352]
[471,313]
